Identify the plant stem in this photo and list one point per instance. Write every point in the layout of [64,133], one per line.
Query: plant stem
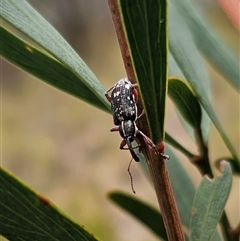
[122,40]
[156,164]
[162,183]
[226,228]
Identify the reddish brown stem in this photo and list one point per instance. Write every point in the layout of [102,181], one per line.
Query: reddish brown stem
[122,40]
[162,183]
[156,164]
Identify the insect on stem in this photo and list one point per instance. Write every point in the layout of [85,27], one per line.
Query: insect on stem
[123,97]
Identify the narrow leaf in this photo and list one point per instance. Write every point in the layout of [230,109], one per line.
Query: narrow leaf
[148,215]
[189,60]
[44,67]
[26,215]
[209,43]
[174,70]
[145,23]
[24,18]
[208,204]
[185,101]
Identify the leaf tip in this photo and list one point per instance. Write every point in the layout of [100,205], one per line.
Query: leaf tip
[223,165]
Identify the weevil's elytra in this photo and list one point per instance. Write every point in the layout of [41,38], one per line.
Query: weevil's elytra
[123,102]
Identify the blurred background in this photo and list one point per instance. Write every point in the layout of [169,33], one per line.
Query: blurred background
[62,146]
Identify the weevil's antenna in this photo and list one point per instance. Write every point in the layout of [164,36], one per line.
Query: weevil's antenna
[131,178]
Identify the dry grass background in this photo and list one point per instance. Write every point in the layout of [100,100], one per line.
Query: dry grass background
[62,146]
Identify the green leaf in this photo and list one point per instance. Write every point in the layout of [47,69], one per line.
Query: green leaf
[26,215]
[148,215]
[24,18]
[180,178]
[145,22]
[190,62]
[174,70]
[208,204]
[185,101]
[44,67]
[209,43]
[183,189]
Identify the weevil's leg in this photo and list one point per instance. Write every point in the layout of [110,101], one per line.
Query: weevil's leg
[124,143]
[152,145]
[107,95]
[165,156]
[135,93]
[143,112]
[116,128]
[147,140]
[130,148]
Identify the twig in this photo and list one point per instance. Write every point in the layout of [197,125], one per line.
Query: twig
[162,183]
[122,40]
[156,163]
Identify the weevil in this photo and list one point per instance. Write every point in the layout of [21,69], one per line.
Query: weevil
[123,99]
